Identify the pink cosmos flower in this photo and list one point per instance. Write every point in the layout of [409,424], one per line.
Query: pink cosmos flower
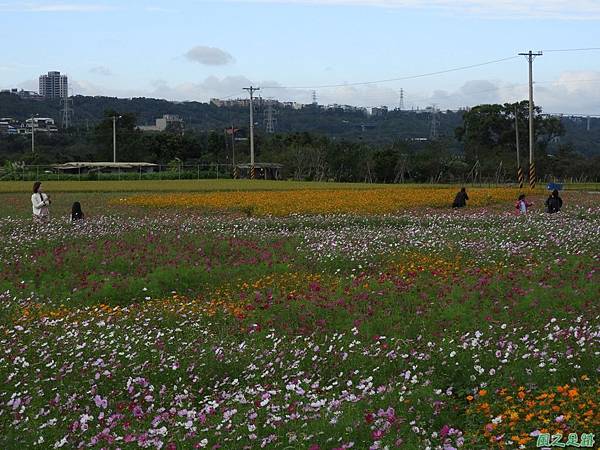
[377,434]
[444,431]
[100,402]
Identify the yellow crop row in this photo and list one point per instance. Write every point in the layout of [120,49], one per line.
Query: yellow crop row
[331,201]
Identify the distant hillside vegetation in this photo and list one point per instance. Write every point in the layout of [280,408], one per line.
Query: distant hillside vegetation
[333,123]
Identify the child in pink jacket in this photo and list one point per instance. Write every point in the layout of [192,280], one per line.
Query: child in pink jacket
[522,205]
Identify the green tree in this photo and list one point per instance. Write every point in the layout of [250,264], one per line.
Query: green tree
[385,162]
[488,135]
[129,140]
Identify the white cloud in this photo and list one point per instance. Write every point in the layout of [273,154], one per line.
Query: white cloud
[551,9]
[209,56]
[101,70]
[6,65]
[575,92]
[40,7]
[29,85]
[204,90]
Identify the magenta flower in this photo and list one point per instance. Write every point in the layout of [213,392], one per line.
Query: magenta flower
[377,434]
[100,402]
[444,431]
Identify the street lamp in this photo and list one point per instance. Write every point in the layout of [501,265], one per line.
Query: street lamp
[233,130]
[114,119]
[33,133]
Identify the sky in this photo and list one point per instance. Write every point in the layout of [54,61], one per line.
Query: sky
[196,50]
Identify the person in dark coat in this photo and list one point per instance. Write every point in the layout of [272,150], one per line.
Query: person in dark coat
[554,202]
[76,212]
[461,198]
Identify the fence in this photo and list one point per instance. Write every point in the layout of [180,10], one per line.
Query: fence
[206,171]
[159,172]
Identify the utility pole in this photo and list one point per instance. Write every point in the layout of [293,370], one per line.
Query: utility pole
[519,170]
[233,151]
[530,57]
[251,90]
[32,135]
[114,119]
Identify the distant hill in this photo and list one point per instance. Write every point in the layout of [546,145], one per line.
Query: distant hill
[335,123]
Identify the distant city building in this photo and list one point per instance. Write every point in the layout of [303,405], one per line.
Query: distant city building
[54,85]
[22,93]
[293,105]
[168,122]
[235,103]
[346,108]
[379,112]
[8,125]
[40,124]
[261,102]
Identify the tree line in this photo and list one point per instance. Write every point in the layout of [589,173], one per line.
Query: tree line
[483,149]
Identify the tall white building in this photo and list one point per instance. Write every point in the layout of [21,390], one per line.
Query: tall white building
[54,85]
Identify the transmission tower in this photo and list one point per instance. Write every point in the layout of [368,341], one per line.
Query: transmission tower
[67,111]
[434,132]
[314,97]
[401,106]
[270,119]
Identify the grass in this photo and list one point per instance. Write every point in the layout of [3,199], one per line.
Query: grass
[176,185]
[223,185]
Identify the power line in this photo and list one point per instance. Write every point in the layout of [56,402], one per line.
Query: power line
[572,49]
[498,89]
[595,116]
[439,73]
[229,96]
[410,77]
[597,80]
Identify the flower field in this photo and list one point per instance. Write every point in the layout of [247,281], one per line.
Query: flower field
[323,201]
[326,319]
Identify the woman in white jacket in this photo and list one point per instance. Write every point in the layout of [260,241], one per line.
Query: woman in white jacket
[40,202]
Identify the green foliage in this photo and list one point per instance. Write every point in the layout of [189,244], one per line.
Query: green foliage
[313,143]
[489,131]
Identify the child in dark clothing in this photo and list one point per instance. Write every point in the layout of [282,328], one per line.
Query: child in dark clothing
[76,212]
[554,202]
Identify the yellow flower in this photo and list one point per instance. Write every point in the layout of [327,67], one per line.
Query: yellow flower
[363,200]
